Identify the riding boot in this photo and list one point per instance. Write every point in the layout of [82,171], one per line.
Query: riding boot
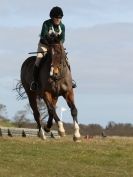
[34,85]
[74,85]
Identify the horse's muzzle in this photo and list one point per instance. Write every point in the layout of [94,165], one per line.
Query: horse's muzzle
[54,71]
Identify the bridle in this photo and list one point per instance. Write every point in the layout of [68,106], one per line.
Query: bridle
[57,72]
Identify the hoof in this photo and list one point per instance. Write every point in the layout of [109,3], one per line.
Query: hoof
[61,133]
[42,134]
[77,139]
[46,129]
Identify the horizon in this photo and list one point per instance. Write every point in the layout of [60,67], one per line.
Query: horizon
[99,43]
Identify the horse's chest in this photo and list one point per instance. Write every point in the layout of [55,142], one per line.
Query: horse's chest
[58,88]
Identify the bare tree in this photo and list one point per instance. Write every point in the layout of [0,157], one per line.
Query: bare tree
[20,118]
[3,111]
[42,109]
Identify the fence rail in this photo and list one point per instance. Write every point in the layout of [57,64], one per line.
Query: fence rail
[25,132]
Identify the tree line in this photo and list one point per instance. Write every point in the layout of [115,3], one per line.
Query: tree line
[112,128]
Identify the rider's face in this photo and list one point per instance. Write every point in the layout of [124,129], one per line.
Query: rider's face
[56,21]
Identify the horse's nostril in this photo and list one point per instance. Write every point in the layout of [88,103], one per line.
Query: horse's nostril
[56,74]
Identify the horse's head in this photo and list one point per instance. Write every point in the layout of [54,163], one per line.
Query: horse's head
[53,38]
[57,60]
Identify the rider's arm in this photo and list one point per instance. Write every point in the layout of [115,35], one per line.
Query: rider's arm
[44,30]
[62,36]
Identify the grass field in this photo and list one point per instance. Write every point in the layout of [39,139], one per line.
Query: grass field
[32,157]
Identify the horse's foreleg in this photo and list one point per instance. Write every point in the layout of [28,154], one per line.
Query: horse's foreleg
[48,99]
[49,122]
[51,105]
[33,104]
[70,101]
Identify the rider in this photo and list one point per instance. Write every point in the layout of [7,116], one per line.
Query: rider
[50,27]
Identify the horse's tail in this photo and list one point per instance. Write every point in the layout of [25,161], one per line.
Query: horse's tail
[21,94]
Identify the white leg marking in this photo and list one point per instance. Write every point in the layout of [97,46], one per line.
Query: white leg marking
[51,71]
[76,132]
[61,128]
[42,134]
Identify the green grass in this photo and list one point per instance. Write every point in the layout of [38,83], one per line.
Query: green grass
[4,123]
[32,157]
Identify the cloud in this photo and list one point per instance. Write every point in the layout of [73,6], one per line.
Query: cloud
[100,56]
[15,44]
[104,56]
[76,12]
[99,42]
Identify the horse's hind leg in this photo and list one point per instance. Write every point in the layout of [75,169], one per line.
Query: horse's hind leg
[69,96]
[33,103]
[51,105]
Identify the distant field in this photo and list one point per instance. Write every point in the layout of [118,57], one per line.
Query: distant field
[6,124]
[32,157]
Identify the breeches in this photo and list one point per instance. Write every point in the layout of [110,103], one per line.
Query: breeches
[41,48]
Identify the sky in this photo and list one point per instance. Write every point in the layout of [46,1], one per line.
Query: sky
[99,43]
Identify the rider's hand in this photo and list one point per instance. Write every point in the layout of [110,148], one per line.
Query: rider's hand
[52,36]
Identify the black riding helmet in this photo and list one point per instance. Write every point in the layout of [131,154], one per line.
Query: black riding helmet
[56,12]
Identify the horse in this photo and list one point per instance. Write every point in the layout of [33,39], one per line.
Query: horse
[55,80]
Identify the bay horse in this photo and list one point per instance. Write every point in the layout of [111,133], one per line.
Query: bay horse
[54,80]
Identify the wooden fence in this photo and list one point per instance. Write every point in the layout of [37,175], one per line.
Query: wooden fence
[26,132]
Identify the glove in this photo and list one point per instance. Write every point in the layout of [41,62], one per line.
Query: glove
[52,35]
[51,38]
[43,41]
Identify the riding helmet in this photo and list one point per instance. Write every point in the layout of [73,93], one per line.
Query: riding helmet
[56,12]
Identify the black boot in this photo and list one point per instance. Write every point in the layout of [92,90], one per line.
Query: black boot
[73,82]
[34,85]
